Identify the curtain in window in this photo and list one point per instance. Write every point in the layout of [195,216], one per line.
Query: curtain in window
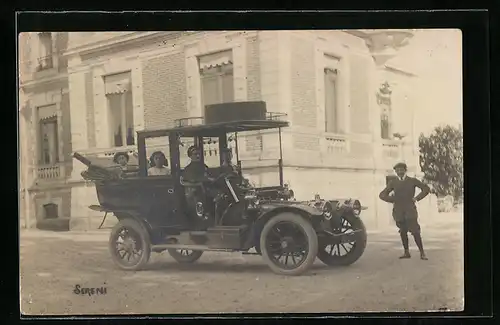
[129,118]
[215,59]
[331,101]
[47,117]
[331,62]
[121,119]
[117,83]
[115,119]
[210,90]
[227,87]
[47,112]
[49,142]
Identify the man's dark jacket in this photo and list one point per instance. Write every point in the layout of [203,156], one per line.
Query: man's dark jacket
[195,171]
[404,193]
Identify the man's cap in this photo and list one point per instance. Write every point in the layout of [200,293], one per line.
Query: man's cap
[400,165]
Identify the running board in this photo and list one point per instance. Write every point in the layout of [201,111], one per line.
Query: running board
[190,247]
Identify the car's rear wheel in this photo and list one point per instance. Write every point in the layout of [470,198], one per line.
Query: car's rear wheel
[332,252]
[129,245]
[289,244]
[185,256]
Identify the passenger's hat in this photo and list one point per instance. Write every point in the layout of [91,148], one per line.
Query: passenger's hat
[191,150]
[118,154]
[400,165]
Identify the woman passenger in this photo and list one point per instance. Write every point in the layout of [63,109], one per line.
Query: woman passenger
[158,164]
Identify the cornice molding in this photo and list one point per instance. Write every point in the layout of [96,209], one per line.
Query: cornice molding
[137,38]
[33,84]
[384,44]
[393,69]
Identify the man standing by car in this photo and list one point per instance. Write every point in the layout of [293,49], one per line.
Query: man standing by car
[401,192]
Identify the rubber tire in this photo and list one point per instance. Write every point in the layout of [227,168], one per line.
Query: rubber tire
[312,243]
[145,243]
[354,254]
[183,259]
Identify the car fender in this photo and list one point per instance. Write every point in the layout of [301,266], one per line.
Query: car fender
[302,209]
[272,209]
[123,214]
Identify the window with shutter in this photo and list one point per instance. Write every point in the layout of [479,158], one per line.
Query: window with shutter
[331,101]
[121,109]
[217,81]
[45,59]
[333,115]
[49,146]
[48,143]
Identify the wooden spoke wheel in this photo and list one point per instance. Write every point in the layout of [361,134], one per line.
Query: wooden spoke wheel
[333,252]
[289,244]
[129,245]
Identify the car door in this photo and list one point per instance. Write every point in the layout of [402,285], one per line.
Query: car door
[160,201]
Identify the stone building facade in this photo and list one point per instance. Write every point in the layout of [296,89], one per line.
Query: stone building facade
[44,128]
[350,110]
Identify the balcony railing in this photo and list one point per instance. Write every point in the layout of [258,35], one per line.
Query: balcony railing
[51,172]
[335,144]
[391,150]
[45,63]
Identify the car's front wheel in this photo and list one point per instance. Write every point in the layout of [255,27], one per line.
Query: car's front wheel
[336,252]
[289,244]
[129,245]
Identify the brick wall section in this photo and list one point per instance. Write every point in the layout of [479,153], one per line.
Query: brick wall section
[164,90]
[89,99]
[359,94]
[306,142]
[303,83]
[253,69]
[253,143]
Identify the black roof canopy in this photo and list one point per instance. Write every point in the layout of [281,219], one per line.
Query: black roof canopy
[215,129]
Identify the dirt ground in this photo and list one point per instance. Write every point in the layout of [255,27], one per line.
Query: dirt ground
[53,263]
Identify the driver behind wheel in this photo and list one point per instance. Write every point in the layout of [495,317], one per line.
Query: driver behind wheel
[196,171]
[227,164]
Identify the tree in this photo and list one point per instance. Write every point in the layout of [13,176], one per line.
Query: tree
[441,160]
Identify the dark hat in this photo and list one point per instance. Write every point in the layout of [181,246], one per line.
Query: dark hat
[118,154]
[191,150]
[400,165]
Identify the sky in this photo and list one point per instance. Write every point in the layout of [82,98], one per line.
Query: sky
[436,56]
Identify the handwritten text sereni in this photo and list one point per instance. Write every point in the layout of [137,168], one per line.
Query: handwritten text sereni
[79,290]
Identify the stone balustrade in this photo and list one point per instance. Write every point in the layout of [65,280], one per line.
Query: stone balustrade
[334,144]
[50,172]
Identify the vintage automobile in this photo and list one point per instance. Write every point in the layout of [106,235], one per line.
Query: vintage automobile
[155,215]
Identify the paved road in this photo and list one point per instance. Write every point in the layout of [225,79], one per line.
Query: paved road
[52,264]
